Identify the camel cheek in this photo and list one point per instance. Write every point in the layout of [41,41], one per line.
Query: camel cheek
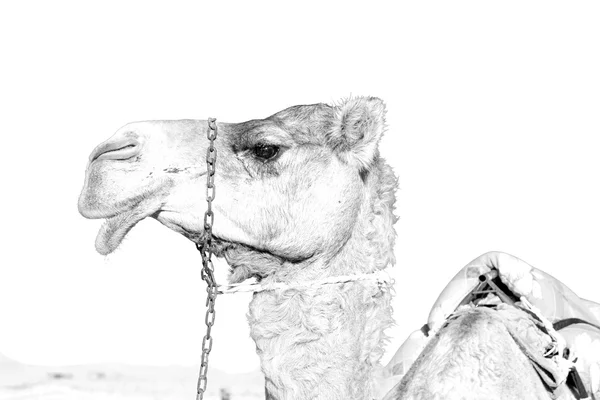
[323,219]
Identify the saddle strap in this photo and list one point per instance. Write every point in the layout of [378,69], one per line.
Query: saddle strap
[574,380]
[563,323]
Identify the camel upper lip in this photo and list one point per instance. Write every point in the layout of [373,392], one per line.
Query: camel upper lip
[117,150]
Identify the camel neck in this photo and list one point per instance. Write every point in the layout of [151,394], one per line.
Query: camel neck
[322,342]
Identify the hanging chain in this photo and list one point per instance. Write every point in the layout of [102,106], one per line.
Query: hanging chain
[205,249]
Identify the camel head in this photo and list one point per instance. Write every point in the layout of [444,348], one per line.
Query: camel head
[288,187]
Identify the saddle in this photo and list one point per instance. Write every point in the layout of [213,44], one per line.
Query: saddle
[500,280]
[554,365]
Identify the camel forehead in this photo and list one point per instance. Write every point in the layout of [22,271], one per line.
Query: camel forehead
[300,124]
[307,120]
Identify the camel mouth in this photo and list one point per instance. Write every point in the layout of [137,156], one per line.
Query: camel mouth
[121,215]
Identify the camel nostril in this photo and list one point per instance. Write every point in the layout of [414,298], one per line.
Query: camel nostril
[118,150]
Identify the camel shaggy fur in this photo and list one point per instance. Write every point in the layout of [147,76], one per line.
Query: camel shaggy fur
[301,195]
[478,354]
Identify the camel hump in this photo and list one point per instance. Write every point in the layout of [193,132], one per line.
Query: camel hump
[475,356]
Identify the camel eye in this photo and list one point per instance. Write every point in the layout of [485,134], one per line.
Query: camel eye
[265,151]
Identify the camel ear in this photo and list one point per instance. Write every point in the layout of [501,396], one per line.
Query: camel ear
[357,127]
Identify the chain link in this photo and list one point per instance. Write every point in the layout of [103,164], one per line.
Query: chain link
[205,249]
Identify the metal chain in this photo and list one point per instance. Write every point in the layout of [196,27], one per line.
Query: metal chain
[205,249]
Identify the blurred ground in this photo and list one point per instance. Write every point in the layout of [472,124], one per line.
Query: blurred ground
[114,382]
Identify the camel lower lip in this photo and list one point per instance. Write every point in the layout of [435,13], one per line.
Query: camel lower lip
[111,233]
[114,229]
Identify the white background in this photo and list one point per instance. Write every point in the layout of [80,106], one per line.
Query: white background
[493,131]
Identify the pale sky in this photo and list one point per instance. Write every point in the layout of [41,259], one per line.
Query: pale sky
[493,127]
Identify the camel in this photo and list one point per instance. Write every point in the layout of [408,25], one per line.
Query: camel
[301,195]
